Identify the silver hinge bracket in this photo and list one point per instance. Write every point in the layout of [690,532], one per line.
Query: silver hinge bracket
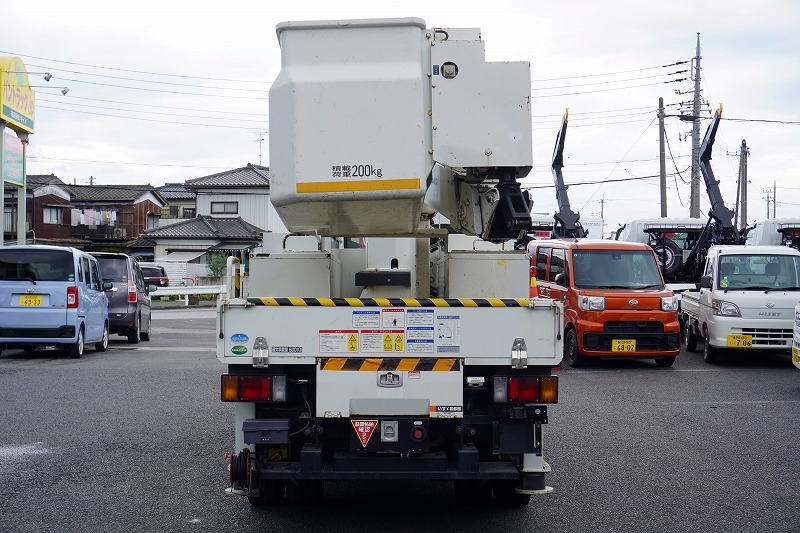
[260,353]
[519,353]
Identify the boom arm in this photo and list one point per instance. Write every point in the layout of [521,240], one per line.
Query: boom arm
[719,212]
[567,222]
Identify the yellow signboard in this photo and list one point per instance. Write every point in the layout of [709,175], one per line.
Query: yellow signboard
[17,99]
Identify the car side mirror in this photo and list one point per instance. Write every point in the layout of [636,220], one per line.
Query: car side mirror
[559,279]
[151,288]
[705,283]
[107,285]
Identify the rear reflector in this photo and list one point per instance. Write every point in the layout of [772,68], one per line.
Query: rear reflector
[253,388]
[526,389]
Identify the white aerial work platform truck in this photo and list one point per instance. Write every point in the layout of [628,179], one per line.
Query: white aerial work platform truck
[383,351]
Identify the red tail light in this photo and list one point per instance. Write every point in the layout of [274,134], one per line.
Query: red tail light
[523,389]
[72,297]
[253,388]
[131,292]
[526,389]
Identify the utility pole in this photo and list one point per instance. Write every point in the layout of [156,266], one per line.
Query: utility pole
[774,199]
[768,195]
[661,158]
[91,180]
[741,185]
[694,200]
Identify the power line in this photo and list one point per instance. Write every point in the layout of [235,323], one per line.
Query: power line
[612,73]
[640,113]
[261,121]
[137,163]
[141,104]
[601,82]
[789,122]
[611,162]
[592,125]
[560,115]
[152,119]
[130,70]
[607,90]
[615,180]
[163,90]
[674,163]
[146,81]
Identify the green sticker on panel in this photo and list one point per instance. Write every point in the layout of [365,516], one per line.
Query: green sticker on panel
[239,349]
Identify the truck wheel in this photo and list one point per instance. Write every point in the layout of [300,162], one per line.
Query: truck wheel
[672,257]
[304,491]
[690,335]
[505,495]
[75,350]
[665,362]
[472,491]
[711,355]
[571,353]
[270,493]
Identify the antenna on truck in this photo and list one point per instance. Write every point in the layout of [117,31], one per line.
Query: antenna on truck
[567,222]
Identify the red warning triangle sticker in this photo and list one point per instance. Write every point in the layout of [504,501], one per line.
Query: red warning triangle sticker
[364,430]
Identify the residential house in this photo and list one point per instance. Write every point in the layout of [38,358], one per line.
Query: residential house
[110,216]
[241,192]
[181,203]
[47,210]
[184,247]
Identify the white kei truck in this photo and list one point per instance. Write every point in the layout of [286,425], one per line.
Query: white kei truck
[381,351]
[746,300]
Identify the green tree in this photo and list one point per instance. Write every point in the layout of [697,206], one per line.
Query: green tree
[217,264]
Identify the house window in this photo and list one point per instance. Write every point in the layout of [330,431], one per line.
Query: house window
[52,215]
[228,208]
[189,212]
[173,211]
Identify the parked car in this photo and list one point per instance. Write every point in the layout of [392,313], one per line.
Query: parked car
[155,275]
[128,297]
[51,295]
[615,301]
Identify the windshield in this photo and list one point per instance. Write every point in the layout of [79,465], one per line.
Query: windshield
[153,272]
[616,269]
[113,268]
[758,272]
[36,265]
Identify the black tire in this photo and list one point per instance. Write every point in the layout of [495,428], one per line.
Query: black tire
[102,346]
[146,333]
[673,257]
[506,495]
[75,350]
[665,362]
[711,355]
[689,335]
[572,355]
[472,492]
[304,491]
[134,335]
[270,493]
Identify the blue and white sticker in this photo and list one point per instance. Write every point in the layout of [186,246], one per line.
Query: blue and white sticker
[239,338]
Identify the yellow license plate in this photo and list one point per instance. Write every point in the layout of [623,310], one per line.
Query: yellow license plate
[740,341]
[623,345]
[30,301]
[795,355]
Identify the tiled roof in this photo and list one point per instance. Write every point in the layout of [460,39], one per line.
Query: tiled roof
[248,176]
[205,227]
[176,191]
[37,180]
[111,193]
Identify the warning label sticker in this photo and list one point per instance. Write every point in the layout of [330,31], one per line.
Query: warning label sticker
[367,319]
[382,340]
[448,333]
[419,339]
[338,340]
[419,317]
[364,430]
[392,317]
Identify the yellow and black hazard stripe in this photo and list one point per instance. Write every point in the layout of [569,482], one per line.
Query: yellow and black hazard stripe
[392,302]
[397,364]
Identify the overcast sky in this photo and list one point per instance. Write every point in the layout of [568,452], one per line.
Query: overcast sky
[749,58]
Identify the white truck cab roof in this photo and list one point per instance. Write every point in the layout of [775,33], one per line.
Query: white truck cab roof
[730,249]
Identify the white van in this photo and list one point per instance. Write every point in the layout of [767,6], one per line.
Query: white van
[746,300]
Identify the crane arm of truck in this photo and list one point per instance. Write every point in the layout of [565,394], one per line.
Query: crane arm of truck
[567,222]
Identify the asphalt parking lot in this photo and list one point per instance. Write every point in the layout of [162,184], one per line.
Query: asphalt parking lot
[133,440]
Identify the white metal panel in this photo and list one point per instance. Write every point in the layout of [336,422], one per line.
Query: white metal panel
[479,335]
[482,116]
[351,95]
[488,274]
[300,274]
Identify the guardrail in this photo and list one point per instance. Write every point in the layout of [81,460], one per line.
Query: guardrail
[189,290]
